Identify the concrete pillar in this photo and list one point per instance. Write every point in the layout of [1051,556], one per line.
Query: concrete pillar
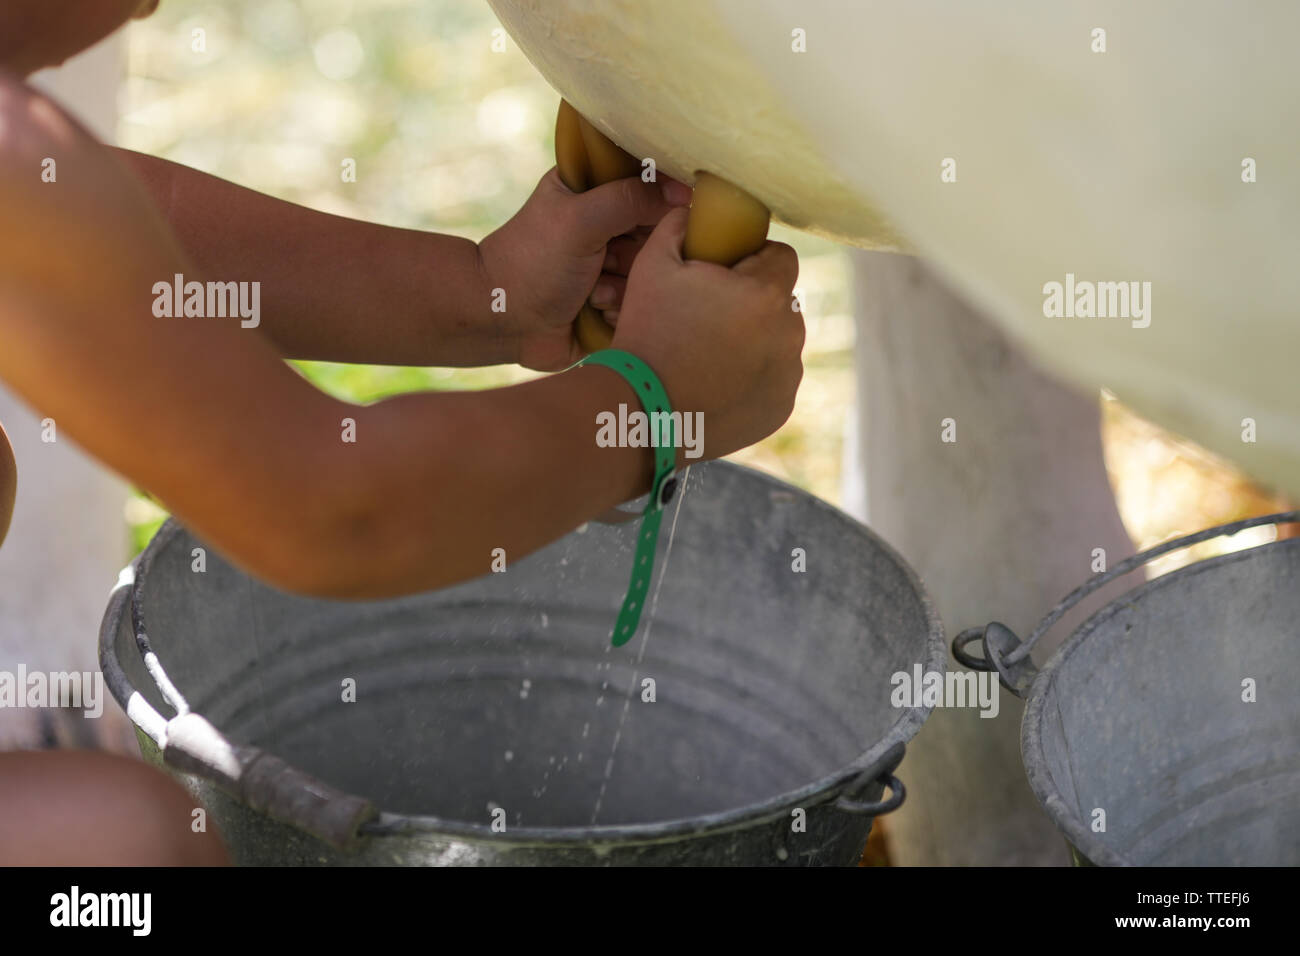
[1000,525]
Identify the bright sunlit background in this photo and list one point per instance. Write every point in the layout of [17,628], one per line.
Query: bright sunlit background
[450,136]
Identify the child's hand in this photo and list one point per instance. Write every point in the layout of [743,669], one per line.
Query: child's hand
[725,342]
[8,483]
[559,247]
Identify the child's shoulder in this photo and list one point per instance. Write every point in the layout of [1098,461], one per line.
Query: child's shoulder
[30,123]
[42,146]
[69,206]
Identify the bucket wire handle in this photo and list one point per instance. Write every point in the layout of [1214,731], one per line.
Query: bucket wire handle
[881,772]
[1005,653]
[189,743]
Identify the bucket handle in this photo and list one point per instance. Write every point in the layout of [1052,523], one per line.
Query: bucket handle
[881,772]
[191,745]
[1005,653]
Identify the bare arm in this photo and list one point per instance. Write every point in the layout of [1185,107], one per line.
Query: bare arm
[206,414]
[327,280]
[248,454]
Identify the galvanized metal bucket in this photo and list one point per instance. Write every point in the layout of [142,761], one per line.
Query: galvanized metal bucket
[749,722]
[1166,730]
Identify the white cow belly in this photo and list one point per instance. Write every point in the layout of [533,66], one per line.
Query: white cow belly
[1123,166]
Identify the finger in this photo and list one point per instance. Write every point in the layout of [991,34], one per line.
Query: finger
[611,317]
[776,263]
[608,291]
[621,251]
[665,243]
[617,208]
[675,191]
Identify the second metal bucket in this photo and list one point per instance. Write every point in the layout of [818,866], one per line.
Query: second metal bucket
[749,723]
[1166,730]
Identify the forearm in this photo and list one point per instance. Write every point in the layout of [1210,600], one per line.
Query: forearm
[207,415]
[428,487]
[264,467]
[334,288]
[451,476]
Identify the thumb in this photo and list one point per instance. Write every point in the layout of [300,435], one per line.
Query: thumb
[619,207]
[666,240]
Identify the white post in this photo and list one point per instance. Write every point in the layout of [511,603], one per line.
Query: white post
[68,538]
[1000,523]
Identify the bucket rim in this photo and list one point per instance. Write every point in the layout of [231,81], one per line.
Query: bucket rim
[1041,695]
[823,790]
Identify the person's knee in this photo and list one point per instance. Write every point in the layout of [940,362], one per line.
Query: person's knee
[82,808]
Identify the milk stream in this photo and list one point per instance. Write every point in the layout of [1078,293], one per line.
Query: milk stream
[645,640]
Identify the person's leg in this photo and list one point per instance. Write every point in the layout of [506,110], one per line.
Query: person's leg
[82,808]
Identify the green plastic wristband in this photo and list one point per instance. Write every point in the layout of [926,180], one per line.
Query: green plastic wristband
[654,401]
